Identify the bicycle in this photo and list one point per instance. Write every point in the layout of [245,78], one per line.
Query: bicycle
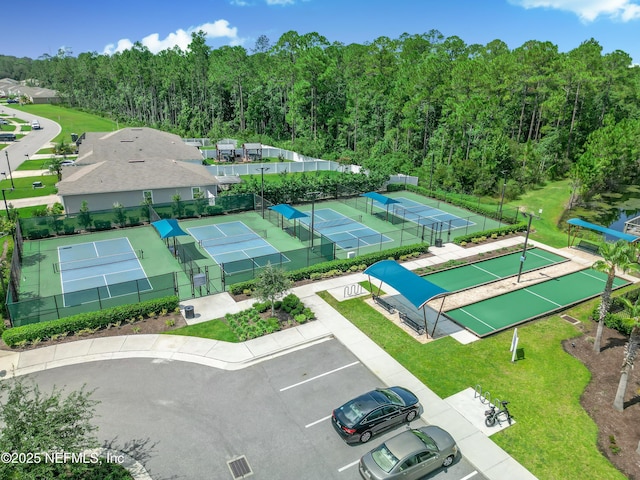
[493,415]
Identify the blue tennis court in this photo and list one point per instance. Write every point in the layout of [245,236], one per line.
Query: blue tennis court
[346,232]
[99,270]
[236,242]
[424,214]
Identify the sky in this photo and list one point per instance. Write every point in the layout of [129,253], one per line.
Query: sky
[108,27]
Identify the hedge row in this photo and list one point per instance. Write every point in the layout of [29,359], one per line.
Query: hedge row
[89,320]
[493,233]
[342,265]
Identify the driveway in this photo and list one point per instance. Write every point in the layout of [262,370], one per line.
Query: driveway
[190,420]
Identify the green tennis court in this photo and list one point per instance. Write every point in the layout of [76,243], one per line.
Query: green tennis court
[494,269]
[504,311]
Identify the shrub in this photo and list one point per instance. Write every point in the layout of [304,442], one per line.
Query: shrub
[84,321]
[300,318]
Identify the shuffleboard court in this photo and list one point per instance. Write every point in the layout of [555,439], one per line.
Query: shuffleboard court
[494,269]
[504,311]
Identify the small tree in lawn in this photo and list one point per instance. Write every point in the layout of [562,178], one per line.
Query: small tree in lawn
[84,215]
[55,167]
[36,422]
[177,206]
[271,284]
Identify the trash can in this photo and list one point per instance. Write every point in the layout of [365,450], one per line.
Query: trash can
[438,242]
[189,312]
[74,137]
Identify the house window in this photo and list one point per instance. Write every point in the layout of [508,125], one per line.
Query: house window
[196,192]
[147,195]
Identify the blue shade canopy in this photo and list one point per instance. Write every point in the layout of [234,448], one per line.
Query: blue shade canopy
[411,286]
[598,228]
[287,211]
[383,199]
[168,227]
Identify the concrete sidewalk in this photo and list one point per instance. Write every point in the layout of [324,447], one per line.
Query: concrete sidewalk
[475,445]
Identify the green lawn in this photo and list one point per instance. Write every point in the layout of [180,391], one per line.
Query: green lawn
[213,329]
[24,187]
[71,121]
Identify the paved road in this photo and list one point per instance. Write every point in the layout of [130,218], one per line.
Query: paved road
[190,420]
[32,141]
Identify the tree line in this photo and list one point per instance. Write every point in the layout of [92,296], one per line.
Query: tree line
[467,117]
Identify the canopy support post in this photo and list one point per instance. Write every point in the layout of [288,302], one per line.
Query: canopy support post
[438,317]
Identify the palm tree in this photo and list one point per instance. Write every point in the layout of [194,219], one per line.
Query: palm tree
[622,256]
[55,167]
[630,350]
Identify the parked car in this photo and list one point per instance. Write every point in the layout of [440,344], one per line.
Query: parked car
[13,100]
[3,122]
[67,163]
[35,125]
[410,455]
[374,412]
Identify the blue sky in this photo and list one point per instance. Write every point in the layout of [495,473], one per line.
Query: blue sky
[106,27]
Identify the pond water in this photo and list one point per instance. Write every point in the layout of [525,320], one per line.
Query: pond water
[611,210]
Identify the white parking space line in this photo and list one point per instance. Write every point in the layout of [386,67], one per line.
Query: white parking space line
[318,376]
[318,421]
[352,464]
[472,474]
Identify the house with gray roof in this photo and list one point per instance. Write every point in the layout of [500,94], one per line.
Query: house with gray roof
[133,164]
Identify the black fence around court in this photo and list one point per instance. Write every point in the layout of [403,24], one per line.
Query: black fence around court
[39,309]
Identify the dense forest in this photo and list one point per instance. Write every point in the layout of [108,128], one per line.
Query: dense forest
[465,117]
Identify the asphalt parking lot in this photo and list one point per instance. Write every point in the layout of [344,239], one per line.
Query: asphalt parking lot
[189,421]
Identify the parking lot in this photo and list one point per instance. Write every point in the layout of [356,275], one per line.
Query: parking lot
[191,420]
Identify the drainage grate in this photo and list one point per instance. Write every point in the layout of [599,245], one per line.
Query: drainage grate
[570,319]
[239,467]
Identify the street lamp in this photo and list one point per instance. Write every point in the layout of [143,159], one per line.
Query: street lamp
[262,170]
[504,187]
[523,257]
[9,165]
[314,196]
[4,197]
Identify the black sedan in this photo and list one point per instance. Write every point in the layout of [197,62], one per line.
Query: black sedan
[374,412]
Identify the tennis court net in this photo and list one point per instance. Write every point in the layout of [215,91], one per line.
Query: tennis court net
[96,261]
[336,223]
[214,242]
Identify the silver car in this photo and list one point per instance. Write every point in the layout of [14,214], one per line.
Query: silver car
[410,455]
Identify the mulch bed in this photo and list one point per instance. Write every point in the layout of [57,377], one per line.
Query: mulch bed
[147,326]
[619,432]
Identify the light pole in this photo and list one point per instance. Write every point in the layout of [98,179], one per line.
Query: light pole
[262,170]
[4,197]
[504,187]
[9,165]
[314,196]
[523,257]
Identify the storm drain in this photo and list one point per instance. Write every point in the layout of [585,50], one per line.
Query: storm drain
[239,467]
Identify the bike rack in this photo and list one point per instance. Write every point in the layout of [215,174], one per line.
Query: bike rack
[352,290]
[484,396]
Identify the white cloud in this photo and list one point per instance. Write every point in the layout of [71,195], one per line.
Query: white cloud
[280,2]
[181,38]
[589,10]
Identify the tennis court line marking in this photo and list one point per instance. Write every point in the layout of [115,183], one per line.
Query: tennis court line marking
[476,318]
[543,298]
[485,271]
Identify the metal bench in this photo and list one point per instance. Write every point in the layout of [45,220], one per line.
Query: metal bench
[415,326]
[588,247]
[384,304]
